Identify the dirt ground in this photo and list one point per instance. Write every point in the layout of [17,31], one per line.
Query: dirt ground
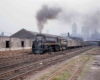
[44,74]
[92,70]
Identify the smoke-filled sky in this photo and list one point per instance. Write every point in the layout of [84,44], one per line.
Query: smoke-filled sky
[18,14]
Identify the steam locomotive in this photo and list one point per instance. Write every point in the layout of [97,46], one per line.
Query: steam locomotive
[50,43]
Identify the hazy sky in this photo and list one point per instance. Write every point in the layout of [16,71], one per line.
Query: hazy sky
[18,14]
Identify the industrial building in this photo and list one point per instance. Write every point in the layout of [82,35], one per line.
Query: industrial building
[20,40]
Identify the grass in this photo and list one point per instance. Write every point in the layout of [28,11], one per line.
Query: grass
[65,75]
[43,77]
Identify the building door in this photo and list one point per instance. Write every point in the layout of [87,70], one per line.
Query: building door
[7,44]
[22,43]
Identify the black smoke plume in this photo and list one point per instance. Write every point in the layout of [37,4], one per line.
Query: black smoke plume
[46,13]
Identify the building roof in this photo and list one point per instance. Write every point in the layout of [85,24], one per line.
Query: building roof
[4,36]
[23,33]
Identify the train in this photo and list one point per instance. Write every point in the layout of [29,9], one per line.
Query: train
[51,43]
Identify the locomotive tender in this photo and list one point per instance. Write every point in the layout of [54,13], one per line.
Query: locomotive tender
[49,43]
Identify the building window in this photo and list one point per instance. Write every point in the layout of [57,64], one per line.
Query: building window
[7,44]
[22,43]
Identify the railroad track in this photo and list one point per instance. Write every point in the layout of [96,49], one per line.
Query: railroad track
[22,71]
[27,58]
[72,77]
[66,67]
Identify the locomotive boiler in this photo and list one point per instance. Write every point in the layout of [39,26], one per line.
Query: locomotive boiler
[43,43]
